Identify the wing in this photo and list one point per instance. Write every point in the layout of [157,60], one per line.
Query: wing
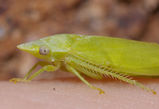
[131,57]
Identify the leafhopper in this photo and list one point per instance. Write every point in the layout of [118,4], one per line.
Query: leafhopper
[95,57]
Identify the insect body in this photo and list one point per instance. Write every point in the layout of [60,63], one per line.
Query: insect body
[94,56]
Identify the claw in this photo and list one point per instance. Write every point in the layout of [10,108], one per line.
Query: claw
[15,80]
[154,92]
[101,91]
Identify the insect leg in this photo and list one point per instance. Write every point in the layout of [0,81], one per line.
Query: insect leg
[45,67]
[130,81]
[41,63]
[74,71]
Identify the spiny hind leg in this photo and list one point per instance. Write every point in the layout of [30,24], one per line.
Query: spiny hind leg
[45,67]
[71,69]
[143,87]
[91,74]
[130,81]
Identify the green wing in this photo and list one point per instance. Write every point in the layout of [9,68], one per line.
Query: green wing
[128,56]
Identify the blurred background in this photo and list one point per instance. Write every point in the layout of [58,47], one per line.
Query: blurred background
[25,20]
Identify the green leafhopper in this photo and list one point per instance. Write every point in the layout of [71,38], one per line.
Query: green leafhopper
[94,56]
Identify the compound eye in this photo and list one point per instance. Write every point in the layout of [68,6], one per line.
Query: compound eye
[44,50]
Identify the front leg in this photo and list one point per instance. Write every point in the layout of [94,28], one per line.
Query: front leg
[45,67]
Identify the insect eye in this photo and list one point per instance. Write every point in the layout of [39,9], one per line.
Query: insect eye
[43,50]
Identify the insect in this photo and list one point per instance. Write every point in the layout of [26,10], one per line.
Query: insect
[95,57]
